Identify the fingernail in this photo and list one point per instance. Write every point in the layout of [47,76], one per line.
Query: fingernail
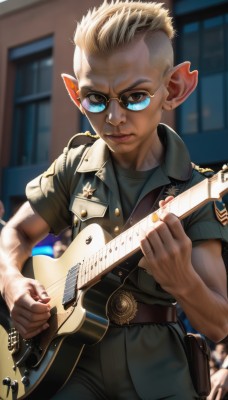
[155,217]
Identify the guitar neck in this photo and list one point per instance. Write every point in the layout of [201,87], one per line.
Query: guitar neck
[128,243]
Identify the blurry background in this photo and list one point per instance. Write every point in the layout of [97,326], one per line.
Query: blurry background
[37,117]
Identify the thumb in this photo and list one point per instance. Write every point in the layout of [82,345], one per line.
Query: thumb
[40,293]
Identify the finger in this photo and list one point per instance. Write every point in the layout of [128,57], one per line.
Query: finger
[42,293]
[219,394]
[146,248]
[39,293]
[29,326]
[28,303]
[162,203]
[173,223]
[30,315]
[29,333]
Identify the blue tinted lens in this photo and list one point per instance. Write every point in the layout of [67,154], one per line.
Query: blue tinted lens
[136,101]
[139,105]
[94,103]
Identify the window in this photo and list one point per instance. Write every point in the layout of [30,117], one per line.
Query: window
[204,43]
[32,103]
[202,38]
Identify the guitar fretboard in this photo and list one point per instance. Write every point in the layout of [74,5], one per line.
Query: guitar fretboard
[128,242]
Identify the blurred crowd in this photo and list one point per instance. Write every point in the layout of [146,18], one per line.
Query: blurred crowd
[219,372]
[2,211]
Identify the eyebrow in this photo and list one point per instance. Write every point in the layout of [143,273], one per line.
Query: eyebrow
[138,82]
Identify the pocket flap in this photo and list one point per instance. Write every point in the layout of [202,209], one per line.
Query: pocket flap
[86,209]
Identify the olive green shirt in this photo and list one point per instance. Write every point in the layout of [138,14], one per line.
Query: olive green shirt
[81,187]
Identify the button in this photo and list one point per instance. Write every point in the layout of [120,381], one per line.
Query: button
[116,230]
[75,220]
[117,212]
[83,213]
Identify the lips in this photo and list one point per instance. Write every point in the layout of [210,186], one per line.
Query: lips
[120,137]
[116,134]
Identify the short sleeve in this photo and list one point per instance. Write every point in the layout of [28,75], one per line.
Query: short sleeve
[49,194]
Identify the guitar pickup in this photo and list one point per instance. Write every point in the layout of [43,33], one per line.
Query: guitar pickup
[70,290]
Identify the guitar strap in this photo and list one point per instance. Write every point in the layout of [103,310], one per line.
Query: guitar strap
[146,206]
[150,201]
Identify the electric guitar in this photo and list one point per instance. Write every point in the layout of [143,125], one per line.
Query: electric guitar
[80,284]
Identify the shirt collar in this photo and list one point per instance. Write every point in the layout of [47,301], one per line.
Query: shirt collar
[176,164]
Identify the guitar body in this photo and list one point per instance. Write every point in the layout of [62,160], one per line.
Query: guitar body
[36,369]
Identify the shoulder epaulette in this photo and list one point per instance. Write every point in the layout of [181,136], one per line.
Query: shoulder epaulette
[81,139]
[204,171]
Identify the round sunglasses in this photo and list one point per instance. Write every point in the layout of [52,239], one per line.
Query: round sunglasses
[132,100]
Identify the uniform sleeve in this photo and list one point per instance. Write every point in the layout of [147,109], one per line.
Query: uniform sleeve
[49,193]
[203,224]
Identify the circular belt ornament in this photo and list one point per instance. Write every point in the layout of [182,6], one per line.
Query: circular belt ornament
[122,307]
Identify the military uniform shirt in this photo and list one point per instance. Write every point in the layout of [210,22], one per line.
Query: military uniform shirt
[81,187]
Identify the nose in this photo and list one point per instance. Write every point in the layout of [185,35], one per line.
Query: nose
[116,114]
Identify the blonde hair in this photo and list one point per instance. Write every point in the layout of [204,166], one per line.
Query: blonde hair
[114,24]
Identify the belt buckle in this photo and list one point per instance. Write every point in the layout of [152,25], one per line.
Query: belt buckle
[122,307]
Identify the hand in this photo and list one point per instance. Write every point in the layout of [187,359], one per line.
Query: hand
[219,385]
[29,305]
[167,252]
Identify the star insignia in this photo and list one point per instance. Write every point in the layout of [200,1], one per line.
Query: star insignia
[88,191]
[171,191]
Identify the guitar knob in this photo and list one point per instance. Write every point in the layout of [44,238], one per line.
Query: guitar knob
[14,386]
[25,380]
[6,381]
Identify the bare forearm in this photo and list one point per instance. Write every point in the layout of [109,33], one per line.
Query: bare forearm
[15,249]
[18,237]
[206,310]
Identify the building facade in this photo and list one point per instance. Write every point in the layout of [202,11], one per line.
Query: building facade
[37,117]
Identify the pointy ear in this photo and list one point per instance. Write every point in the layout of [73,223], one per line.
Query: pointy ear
[71,85]
[181,84]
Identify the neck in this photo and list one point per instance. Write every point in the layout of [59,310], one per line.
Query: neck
[145,157]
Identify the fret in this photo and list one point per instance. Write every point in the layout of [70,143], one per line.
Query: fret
[188,201]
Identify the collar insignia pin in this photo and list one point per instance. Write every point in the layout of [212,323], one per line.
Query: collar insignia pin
[172,191]
[88,190]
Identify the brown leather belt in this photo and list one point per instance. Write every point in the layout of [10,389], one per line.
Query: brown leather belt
[124,309]
[154,314]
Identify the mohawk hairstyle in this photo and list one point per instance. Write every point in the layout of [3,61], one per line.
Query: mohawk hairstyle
[114,24]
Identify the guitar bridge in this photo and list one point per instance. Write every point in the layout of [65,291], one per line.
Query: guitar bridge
[13,341]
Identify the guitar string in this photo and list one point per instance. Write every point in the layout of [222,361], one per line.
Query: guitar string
[97,264]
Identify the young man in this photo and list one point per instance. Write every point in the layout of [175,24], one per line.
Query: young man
[125,78]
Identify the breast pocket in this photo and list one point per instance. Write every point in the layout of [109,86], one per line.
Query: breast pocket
[86,212]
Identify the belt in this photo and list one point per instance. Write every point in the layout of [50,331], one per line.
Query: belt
[154,314]
[123,309]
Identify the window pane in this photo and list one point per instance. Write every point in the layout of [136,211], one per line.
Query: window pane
[26,79]
[24,130]
[43,132]
[190,44]
[34,77]
[212,102]
[226,39]
[189,115]
[213,45]
[32,111]
[44,75]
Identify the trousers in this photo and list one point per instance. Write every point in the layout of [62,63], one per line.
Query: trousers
[102,373]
